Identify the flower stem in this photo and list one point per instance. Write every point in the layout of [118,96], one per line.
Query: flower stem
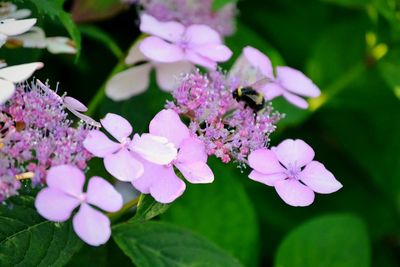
[129,205]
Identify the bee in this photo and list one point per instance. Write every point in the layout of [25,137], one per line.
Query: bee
[251,96]
[8,124]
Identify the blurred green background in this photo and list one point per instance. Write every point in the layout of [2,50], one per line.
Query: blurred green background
[351,50]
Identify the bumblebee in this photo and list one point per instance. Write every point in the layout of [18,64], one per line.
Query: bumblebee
[251,97]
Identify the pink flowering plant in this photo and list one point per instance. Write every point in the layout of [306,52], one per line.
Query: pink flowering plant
[175,158]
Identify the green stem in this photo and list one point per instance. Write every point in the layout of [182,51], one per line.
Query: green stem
[128,206]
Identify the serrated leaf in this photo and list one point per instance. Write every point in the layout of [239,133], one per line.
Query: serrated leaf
[26,239]
[148,208]
[332,240]
[155,244]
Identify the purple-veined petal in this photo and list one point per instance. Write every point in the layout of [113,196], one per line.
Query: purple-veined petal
[128,83]
[7,90]
[295,100]
[201,34]
[272,90]
[12,27]
[156,149]
[296,82]
[103,195]
[117,126]
[135,55]
[159,50]
[91,225]
[319,179]
[99,144]
[167,74]
[198,59]
[67,178]
[268,179]
[75,104]
[167,123]
[55,205]
[215,52]
[294,153]
[294,193]
[265,161]
[196,172]
[171,31]
[19,73]
[259,61]
[192,149]
[123,165]
[167,187]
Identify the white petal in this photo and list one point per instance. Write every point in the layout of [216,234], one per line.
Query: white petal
[19,73]
[12,27]
[58,45]
[7,89]
[168,73]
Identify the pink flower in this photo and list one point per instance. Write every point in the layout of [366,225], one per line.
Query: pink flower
[160,180]
[290,83]
[65,193]
[121,157]
[290,168]
[172,42]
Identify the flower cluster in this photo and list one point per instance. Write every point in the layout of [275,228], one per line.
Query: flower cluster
[36,134]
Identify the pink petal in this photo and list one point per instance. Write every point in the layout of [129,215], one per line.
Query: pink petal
[19,73]
[192,149]
[99,145]
[159,50]
[12,27]
[268,179]
[171,31]
[7,90]
[103,195]
[272,90]
[319,179]
[92,226]
[198,59]
[201,34]
[128,83]
[196,172]
[74,104]
[117,126]
[296,82]
[150,175]
[168,73]
[215,52]
[123,166]
[135,55]
[265,161]
[294,153]
[167,123]
[55,205]
[156,149]
[295,100]
[259,60]
[68,179]
[294,193]
[167,187]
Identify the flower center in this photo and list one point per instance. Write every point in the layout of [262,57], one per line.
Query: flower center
[293,171]
[82,198]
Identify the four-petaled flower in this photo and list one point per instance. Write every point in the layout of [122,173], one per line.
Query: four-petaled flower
[160,180]
[290,168]
[65,193]
[121,159]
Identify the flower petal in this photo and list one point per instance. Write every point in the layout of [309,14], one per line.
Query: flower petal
[117,126]
[60,45]
[296,82]
[198,59]
[259,60]
[19,73]
[67,178]
[294,193]
[92,226]
[35,38]
[265,161]
[294,153]
[171,31]
[272,90]
[295,100]
[215,52]
[128,83]
[319,179]
[99,145]
[167,187]
[198,34]
[268,179]
[135,55]
[150,175]
[103,195]
[123,165]
[156,149]
[7,90]
[167,74]
[196,172]
[12,27]
[74,104]
[159,50]
[192,149]
[167,123]
[55,205]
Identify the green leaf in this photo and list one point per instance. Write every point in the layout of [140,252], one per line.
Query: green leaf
[26,239]
[350,3]
[222,212]
[218,4]
[155,244]
[389,68]
[148,208]
[333,240]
